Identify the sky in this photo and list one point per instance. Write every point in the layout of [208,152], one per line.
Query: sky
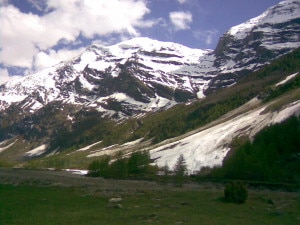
[36,34]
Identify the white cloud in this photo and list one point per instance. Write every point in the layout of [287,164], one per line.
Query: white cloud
[4,76]
[181,20]
[182,1]
[3,3]
[25,37]
[110,41]
[52,57]
[151,23]
[207,36]
[97,17]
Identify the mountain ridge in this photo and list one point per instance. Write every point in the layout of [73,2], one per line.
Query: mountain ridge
[163,72]
[253,44]
[84,74]
[104,95]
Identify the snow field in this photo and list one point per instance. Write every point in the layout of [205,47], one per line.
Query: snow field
[210,146]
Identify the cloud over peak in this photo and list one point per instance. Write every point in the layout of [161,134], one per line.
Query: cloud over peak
[27,35]
[181,20]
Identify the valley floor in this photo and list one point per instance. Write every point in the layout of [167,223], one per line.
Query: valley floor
[59,197]
[89,184]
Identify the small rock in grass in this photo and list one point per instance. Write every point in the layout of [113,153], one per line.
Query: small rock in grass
[115,200]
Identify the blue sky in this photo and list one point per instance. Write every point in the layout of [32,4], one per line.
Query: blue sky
[39,33]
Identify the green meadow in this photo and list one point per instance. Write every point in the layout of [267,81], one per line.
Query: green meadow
[37,205]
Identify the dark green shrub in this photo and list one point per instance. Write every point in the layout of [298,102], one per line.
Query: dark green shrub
[99,167]
[235,192]
[138,162]
[118,169]
[136,165]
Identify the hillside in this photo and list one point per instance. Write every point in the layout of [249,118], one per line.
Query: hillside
[207,126]
[141,93]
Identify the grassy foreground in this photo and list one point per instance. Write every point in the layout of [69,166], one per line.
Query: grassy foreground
[35,205]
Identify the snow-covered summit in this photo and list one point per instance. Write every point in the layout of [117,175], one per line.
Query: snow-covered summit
[142,69]
[148,44]
[251,45]
[158,73]
[280,13]
[152,53]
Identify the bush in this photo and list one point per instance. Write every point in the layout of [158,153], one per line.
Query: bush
[137,165]
[99,167]
[235,192]
[118,169]
[138,162]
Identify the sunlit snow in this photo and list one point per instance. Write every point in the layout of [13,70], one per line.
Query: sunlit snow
[210,146]
[286,79]
[280,13]
[36,151]
[7,146]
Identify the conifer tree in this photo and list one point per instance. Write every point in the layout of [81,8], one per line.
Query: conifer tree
[180,171]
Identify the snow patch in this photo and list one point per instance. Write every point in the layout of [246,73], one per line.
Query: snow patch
[12,98]
[88,147]
[6,147]
[286,79]
[85,83]
[70,118]
[78,172]
[131,143]
[209,147]
[104,151]
[154,104]
[292,109]
[36,151]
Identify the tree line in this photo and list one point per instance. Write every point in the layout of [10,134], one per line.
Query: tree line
[273,156]
[137,166]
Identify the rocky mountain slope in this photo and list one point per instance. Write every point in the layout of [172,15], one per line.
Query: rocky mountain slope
[83,101]
[142,75]
[255,43]
[129,78]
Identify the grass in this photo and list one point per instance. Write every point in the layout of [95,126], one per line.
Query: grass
[35,205]
[287,98]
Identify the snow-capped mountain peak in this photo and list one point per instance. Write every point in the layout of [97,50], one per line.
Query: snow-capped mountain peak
[251,45]
[280,13]
[148,71]
[141,69]
[140,48]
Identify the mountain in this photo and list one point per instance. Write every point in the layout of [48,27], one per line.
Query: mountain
[126,79]
[255,43]
[142,75]
[143,91]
